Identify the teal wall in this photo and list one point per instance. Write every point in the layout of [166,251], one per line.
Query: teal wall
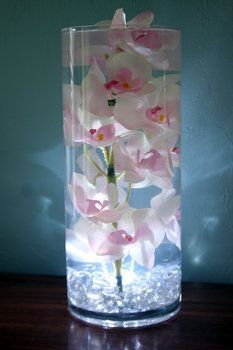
[31,140]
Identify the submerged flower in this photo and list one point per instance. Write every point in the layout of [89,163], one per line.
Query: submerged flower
[100,137]
[138,233]
[127,75]
[156,109]
[78,246]
[140,161]
[155,45]
[95,202]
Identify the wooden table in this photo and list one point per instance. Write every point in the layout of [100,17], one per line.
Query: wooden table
[33,315]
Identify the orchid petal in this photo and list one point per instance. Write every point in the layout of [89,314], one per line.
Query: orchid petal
[106,248]
[85,198]
[124,163]
[103,250]
[150,219]
[167,204]
[124,74]
[118,20]
[143,19]
[97,234]
[137,142]
[131,112]
[168,210]
[138,65]
[101,137]
[112,215]
[160,178]
[161,137]
[121,237]
[161,198]
[112,193]
[96,71]
[94,98]
[173,232]
[175,156]
[126,223]
[143,254]
[91,121]
[77,244]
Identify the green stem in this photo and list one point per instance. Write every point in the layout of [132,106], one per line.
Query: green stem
[85,151]
[95,178]
[106,154]
[128,193]
[111,177]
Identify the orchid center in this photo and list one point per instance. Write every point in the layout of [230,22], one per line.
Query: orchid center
[127,237]
[126,85]
[92,131]
[100,137]
[156,114]
[161,118]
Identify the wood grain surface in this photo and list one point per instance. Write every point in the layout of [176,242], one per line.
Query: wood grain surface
[33,315]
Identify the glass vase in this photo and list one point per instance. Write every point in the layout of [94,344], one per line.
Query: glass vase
[121,104]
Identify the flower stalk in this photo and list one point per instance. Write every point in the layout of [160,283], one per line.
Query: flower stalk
[111,178]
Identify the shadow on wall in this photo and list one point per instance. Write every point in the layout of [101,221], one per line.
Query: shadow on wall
[32,231]
[207,208]
[207,144]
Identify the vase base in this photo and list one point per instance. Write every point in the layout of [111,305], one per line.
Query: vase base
[135,320]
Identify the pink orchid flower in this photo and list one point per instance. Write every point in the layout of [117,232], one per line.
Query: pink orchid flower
[100,137]
[82,126]
[127,74]
[99,131]
[131,71]
[78,246]
[167,205]
[138,233]
[158,109]
[140,162]
[157,46]
[119,20]
[93,202]
[93,93]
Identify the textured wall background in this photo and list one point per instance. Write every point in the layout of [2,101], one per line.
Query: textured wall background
[31,144]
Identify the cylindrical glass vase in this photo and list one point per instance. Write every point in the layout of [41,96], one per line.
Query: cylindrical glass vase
[121,99]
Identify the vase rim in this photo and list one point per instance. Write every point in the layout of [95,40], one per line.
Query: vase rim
[96,28]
